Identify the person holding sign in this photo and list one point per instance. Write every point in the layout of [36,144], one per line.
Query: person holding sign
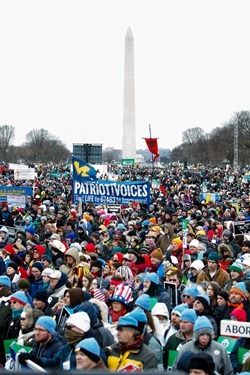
[46,343]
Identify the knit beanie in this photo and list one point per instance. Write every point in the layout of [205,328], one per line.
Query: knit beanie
[237,267]
[4,280]
[97,264]
[41,295]
[76,245]
[38,265]
[194,243]
[140,316]
[46,257]
[178,241]
[80,320]
[13,265]
[204,299]
[191,291]
[20,297]
[239,314]
[197,264]
[30,231]
[240,288]
[48,323]
[189,315]
[179,308]
[182,364]
[201,326]
[128,321]
[202,361]
[213,255]
[157,254]
[153,277]
[226,233]
[224,294]
[90,347]
[143,301]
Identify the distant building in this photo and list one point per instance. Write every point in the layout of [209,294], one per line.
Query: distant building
[88,152]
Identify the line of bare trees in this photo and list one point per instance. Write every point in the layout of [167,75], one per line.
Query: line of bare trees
[40,146]
[218,146]
[197,146]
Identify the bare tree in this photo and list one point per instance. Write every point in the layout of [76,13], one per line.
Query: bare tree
[109,155]
[7,135]
[193,135]
[41,145]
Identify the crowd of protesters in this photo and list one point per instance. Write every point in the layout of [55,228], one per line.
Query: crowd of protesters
[84,288]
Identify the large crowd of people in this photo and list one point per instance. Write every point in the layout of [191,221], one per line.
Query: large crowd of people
[82,288]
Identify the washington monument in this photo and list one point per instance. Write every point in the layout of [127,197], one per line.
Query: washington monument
[129,134]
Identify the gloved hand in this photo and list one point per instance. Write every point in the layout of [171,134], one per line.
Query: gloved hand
[23,356]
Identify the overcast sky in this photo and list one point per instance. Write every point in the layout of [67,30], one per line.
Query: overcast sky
[62,65]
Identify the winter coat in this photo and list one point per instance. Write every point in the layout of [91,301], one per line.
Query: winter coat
[220,276]
[35,286]
[222,362]
[131,360]
[58,291]
[48,351]
[5,315]
[172,344]
[69,269]
[165,240]
[242,342]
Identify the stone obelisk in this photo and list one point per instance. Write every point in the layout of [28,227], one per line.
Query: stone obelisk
[129,134]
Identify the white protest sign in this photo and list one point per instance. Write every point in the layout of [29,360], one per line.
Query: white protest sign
[25,174]
[234,328]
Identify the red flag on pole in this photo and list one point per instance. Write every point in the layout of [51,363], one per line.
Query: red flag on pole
[153,147]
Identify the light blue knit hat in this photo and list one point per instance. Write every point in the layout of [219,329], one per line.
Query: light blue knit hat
[143,301]
[48,323]
[153,277]
[202,326]
[189,315]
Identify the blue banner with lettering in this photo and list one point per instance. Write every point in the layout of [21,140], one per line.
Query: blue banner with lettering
[90,190]
[15,195]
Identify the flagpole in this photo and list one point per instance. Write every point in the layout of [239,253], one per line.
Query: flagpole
[153,167]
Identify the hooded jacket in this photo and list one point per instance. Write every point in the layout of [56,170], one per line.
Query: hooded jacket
[217,351]
[65,268]
[165,240]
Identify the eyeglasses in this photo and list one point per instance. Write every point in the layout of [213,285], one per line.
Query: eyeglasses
[185,296]
[13,302]
[40,330]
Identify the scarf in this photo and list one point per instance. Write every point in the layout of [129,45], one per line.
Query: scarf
[115,316]
[236,305]
[16,313]
[73,337]
[137,344]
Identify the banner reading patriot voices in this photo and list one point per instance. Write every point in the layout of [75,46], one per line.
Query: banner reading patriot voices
[88,188]
[111,192]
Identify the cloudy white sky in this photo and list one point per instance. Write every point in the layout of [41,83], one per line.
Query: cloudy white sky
[62,67]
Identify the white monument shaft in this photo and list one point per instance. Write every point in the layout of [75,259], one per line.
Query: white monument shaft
[129,134]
